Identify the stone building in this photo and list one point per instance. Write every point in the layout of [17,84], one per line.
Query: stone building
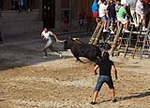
[41,13]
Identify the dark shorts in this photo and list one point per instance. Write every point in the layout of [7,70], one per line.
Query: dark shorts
[113,19]
[104,79]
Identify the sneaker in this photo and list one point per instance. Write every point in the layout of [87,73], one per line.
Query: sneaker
[126,31]
[60,55]
[114,100]
[112,32]
[135,24]
[45,57]
[93,103]
[144,29]
[104,30]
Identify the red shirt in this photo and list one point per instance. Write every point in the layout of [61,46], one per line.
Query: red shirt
[82,15]
[145,1]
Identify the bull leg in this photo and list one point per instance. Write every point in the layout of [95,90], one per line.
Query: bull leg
[77,58]
[75,54]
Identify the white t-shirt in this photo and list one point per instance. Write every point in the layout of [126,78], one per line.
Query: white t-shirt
[125,2]
[132,4]
[102,10]
[99,2]
[138,8]
[47,35]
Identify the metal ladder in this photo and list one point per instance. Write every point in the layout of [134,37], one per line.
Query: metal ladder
[143,41]
[125,42]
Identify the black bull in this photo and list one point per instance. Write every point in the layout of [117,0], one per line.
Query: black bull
[80,49]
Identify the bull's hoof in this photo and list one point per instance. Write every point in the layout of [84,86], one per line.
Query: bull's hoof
[79,61]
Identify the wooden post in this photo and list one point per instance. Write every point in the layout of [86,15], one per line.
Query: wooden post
[116,40]
[96,41]
[95,33]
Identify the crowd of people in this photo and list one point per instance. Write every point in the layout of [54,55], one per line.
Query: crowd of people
[114,12]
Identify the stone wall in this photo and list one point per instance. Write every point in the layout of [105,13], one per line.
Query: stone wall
[14,23]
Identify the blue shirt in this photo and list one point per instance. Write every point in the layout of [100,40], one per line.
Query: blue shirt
[95,7]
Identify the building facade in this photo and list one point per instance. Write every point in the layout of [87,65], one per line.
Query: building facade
[36,15]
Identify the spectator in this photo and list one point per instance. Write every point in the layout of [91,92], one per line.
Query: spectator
[132,10]
[89,22]
[112,15]
[146,10]
[121,17]
[118,5]
[95,7]
[125,2]
[141,14]
[65,18]
[27,5]
[148,15]
[82,17]
[102,14]
[20,4]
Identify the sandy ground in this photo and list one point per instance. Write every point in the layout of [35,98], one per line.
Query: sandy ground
[29,81]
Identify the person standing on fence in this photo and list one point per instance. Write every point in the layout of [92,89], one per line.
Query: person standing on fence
[118,5]
[103,14]
[132,5]
[121,17]
[112,15]
[140,12]
[95,12]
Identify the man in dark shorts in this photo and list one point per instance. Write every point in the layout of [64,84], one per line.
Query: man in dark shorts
[105,65]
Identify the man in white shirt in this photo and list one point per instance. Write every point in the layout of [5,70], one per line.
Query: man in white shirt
[102,13]
[132,5]
[46,35]
[99,2]
[125,2]
[139,9]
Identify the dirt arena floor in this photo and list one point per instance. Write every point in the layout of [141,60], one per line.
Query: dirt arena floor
[27,80]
